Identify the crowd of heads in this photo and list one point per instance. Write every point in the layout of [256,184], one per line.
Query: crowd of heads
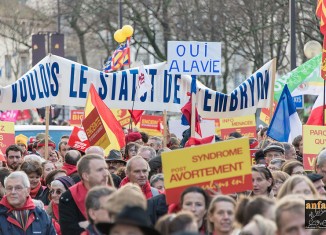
[124,188]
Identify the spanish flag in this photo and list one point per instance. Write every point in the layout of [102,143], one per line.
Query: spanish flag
[111,125]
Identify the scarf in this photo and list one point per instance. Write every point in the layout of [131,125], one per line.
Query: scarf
[70,169]
[146,189]
[29,204]
[55,210]
[35,190]
[78,193]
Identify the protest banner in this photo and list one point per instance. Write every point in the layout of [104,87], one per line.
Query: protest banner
[226,163]
[314,140]
[95,130]
[244,125]
[76,117]
[78,139]
[58,81]
[7,136]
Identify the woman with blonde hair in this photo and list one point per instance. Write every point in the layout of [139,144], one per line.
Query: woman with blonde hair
[220,215]
[298,184]
[259,225]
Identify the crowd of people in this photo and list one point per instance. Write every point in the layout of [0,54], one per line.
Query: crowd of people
[71,192]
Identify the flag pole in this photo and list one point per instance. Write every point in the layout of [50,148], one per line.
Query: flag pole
[272,90]
[47,121]
[165,129]
[324,102]
[193,107]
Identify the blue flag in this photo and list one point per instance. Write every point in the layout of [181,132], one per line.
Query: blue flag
[285,124]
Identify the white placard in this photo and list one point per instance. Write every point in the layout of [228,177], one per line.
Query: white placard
[194,58]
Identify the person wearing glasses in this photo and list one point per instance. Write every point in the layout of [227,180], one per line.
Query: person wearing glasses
[18,213]
[276,164]
[293,167]
[58,186]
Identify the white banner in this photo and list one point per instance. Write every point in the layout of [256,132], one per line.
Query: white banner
[58,81]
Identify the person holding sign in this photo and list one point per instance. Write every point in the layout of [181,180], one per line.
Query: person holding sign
[196,200]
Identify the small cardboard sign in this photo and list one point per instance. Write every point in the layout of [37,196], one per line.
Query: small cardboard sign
[245,125]
[226,163]
[314,140]
[76,117]
[95,130]
[78,139]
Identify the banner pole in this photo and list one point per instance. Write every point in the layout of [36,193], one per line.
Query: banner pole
[271,109]
[193,114]
[165,129]
[47,121]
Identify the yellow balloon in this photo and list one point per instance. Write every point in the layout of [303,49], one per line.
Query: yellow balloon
[119,36]
[127,30]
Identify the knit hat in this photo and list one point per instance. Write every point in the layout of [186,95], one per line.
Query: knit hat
[132,137]
[21,139]
[66,181]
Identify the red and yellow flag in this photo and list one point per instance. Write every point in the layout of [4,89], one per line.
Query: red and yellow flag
[112,126]
[321,13]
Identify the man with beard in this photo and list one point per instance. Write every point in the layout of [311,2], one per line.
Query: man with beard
[14,156]
[93,171]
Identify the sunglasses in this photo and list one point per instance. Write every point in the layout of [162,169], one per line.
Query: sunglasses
[57,191]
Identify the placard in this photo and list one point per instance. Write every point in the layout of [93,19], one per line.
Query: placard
[314,140]
[245,125]
[194,58]
[226,163]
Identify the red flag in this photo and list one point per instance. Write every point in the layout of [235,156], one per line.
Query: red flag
[316,115]
[194,141]
[136,115]
[186,111]
[321,13]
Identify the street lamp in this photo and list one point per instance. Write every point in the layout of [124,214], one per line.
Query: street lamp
[312,48]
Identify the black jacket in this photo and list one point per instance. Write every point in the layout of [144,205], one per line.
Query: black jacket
[156,207]
[70,215]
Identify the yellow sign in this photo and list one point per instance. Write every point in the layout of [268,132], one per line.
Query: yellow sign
[226,163]
[245,125]
[122,116]
[314,140]
[7,127]
[7,135]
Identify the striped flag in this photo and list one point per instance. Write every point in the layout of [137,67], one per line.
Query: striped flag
[321,14]
[119,58]
[112,126]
